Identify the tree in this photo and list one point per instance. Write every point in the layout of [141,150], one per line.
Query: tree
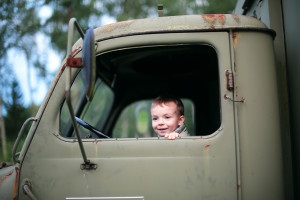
[3,133]
[16,112]
[218,6]
[56,27]
[18,28]
[18,25]
[90,13]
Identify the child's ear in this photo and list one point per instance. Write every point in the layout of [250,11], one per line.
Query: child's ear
[181,119]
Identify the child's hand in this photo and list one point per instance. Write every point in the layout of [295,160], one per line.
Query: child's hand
[172,136]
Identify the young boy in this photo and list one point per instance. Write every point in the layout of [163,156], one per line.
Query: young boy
[167,114]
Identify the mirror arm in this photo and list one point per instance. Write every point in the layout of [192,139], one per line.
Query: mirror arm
[87,164]
[68,99]
[73,22]
[79,29]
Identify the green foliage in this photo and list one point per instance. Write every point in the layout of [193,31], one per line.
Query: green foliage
[218,6]
[9,147]
[19,25]
[16,113]
[142,119]
[128,9]
[90,13]
[87,14]
[19,21]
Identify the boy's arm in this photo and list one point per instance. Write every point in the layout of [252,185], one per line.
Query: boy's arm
[180,131]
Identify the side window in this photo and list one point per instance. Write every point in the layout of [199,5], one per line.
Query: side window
[77,96]
[135,120]
[94,112]
[153,69]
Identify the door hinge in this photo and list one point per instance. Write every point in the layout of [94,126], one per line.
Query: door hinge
[229,80]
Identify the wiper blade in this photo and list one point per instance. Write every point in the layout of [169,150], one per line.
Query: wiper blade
[90,127]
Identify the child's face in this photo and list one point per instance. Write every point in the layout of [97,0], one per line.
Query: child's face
[165,118]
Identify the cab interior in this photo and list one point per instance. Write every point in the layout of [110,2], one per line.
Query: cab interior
[185,70]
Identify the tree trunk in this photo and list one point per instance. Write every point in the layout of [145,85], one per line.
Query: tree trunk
[3,134]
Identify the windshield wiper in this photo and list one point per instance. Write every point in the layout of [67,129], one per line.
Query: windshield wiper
[90,127]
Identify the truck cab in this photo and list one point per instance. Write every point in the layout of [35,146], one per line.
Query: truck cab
[92,136]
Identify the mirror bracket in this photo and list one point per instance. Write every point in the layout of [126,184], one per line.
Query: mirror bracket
[74,62]
[88,166]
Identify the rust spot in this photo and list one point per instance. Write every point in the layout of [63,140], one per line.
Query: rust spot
[234,39]
[212,19]
[16,183]
[75,51]
[7,175]
[222,19]
[206,146]
[209,16]
[74,62]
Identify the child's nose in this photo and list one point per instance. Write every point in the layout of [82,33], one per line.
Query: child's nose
[161,121]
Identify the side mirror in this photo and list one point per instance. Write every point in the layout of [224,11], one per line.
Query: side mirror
[89,63]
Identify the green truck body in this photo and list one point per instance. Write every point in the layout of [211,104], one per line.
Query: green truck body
[222,65]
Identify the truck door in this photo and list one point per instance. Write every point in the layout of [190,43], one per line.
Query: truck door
[201,166]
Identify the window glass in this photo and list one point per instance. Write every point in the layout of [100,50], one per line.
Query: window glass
[77,96]
[94,112]
[135,120]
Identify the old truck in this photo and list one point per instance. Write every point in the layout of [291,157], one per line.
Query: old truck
[92,137]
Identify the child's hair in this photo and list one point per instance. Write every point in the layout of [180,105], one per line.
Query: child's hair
[162,99]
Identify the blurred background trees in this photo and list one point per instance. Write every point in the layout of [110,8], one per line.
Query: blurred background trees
[25,27]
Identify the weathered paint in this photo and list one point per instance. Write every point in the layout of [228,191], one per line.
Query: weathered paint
[212,19]
[9,181]
[206,167]
[222,22]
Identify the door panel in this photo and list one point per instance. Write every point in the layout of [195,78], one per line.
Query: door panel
[196,167]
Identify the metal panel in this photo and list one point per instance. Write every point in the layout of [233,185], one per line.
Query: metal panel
[188,168]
